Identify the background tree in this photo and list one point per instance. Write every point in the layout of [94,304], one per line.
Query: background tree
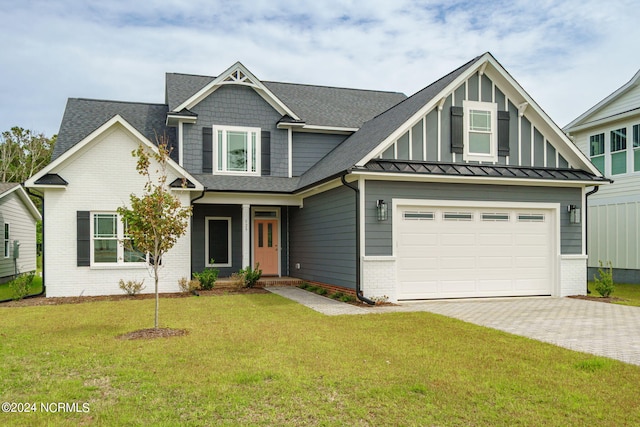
[156,220]
[23,153]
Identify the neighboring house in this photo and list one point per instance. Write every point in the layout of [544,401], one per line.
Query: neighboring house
[609,133]
[465,189]
[18,218]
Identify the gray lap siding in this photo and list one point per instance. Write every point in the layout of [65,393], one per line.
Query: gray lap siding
[378,234]
[323,238]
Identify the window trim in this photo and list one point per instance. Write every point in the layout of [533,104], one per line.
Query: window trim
[491,107]
[7,240]
[250,154]
[120,238]
[229,241]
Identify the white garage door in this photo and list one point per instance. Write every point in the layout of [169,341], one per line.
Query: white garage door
[455,252]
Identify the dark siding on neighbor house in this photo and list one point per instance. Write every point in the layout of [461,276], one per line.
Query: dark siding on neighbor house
[309,148]
[198,238]
[378,235]
[323,238]
[235,106]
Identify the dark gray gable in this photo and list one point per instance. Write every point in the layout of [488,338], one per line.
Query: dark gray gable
[373,132]
[83,116]
[180,87]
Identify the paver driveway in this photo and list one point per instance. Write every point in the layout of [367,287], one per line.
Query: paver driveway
[602,329]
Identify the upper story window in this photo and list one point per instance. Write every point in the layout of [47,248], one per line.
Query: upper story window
[110,242]
[596,151]
[480,131]
[619,151]
[636,148]
[236,150]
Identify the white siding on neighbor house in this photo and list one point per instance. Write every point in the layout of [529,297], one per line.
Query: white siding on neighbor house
[628,101]
[101,177]
[613,232]
[22,226]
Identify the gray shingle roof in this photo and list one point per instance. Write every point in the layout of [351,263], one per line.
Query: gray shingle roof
[83,116]
[332,106]
[257,184]
[179,87]
[6,186]
[373,132]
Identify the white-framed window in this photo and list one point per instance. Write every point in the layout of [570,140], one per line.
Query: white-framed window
[480,131]
[495,217]
[596,150]
[110,244]
[618,140]
[217,231]
[7,240]
[636,148]
[236,150]
[418,216]
[530,217]
[457,216]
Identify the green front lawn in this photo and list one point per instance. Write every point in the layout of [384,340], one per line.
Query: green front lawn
[628,294]
[7,293]
[264,360]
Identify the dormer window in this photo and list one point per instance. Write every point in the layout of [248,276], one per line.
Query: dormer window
[236,150]
[480,131]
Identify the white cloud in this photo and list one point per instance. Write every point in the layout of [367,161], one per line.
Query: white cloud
[567,55]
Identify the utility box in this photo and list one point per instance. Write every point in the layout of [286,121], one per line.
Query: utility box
[16,249]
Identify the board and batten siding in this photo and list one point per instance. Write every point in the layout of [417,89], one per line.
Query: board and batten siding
[528,146]
[235,106]
[614,234]
[378,234]
[323,238]
[308,148]
[198,236]
[22,227]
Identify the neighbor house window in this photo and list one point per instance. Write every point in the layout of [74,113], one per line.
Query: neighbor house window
[110,244]
[636,148]
[480,136]
[237,150]
[7,240]
[619,151]
[596,151]
[217,241]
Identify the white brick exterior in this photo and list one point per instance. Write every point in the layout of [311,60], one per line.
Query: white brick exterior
[573,275]
[101,177]
[379,277]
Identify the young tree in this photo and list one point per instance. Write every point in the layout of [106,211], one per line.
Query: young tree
[157,219]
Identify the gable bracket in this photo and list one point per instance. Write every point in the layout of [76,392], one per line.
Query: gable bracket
[482,68]
[521,108]
[441,103]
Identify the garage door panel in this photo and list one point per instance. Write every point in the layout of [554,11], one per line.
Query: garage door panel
[490,255]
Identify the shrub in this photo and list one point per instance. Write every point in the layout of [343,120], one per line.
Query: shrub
[132,287]
[189,286]
[322,291]
[21,285]
[336,295]
[250,276]
[237,280]
[304,285]
[347,298]
[604,283]
[207,277]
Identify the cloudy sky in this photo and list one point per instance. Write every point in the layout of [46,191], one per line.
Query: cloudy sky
[568,55]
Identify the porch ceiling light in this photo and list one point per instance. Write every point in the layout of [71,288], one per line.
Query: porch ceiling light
[381,208]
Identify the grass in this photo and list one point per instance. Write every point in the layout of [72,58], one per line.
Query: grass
[629,293]
[264,360]
[7,293]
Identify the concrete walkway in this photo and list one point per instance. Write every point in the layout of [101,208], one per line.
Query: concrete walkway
[608,330]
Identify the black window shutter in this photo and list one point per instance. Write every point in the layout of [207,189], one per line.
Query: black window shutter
[457,130]
[207,150]
[503,133]
[265,150]
[83,239]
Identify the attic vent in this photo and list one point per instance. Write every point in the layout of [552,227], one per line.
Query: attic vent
[236,77]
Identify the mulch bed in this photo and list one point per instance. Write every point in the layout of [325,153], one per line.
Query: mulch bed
[41,300]
[145,334]
[598,299]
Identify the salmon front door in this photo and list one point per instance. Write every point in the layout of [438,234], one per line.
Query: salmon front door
[265,245]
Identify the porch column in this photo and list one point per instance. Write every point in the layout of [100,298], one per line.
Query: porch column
[246,241]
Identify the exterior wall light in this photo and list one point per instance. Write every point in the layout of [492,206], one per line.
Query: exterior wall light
[574,214]
[381,208]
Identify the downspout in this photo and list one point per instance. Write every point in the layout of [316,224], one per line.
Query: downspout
[358,272]
[586,228]
[44,287]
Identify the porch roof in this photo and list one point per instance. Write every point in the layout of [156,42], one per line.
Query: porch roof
[248,184]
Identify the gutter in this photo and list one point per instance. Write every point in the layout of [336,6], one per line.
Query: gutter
[358,266]
[586,227]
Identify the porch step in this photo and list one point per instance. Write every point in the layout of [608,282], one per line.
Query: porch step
[226,282]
